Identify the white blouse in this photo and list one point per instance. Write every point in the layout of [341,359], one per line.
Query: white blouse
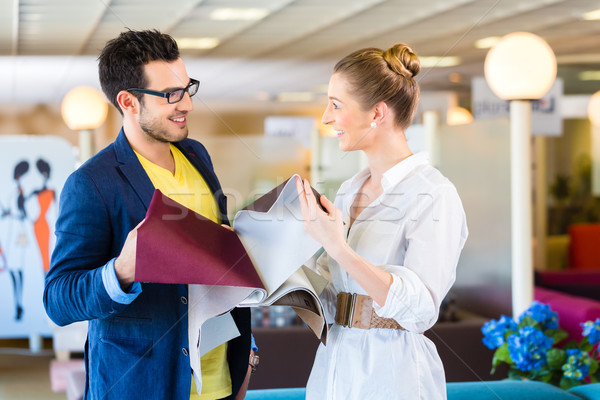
[415,230]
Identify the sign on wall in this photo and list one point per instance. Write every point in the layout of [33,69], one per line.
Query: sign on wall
[33,170]
[299,128]
[546,117]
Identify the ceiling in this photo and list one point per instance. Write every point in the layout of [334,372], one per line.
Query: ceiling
[49,46]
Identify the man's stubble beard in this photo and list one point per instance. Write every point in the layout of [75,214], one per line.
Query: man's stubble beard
[155,132]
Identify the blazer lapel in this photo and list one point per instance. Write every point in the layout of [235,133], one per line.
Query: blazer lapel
[133,170]
[206,172]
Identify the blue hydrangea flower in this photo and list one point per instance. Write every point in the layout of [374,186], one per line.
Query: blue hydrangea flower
[592,331]
[543,314]
[528,348]
[577,365]
[494,331]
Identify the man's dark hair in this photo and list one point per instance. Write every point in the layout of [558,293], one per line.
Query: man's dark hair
[121,62]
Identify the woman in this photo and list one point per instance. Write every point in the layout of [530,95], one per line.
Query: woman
[19,239]
[41,227]
[392,239]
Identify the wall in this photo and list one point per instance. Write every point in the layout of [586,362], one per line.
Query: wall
[205,121]
[245,160]
[476,158]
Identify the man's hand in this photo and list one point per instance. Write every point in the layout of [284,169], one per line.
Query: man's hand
[125,263]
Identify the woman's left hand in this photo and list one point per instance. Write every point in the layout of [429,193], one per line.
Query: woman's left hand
[327,227]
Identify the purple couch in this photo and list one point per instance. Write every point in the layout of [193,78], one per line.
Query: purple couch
[571,310]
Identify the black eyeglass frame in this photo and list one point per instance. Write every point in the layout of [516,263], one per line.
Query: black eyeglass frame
[191,89]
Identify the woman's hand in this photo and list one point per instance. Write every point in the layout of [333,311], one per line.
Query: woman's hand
[327,227]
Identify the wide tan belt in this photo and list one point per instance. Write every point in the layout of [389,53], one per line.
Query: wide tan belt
[356,311]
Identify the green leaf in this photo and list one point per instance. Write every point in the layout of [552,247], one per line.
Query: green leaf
[571,344]
[596,375]
[593,367]
[528,321]
[586,347]
[558,335]
[543,375]
[501,355]
[517,374]
[556,358]
[567,383]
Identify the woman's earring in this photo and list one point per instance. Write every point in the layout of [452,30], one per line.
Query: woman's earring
[373,124]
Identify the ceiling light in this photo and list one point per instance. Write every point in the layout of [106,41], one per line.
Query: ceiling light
[458,116]
[197,43]
[592,15]
[488,42]
[589,76]
[439,62]
[239,14]
[295,96]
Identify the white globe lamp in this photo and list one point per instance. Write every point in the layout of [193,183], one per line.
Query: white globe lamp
[520,67]
[84,109]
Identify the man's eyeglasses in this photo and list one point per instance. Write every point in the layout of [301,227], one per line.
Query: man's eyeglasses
[174,96]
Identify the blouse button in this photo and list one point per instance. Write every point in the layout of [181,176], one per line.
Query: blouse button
[184,351]
[183,299]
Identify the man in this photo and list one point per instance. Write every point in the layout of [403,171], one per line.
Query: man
[137,345]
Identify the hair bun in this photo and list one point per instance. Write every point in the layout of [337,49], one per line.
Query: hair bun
[402,60]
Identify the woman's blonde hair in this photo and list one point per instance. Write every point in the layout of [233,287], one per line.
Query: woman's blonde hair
[389,76]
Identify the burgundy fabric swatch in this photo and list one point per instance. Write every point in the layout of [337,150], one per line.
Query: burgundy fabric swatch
[266,201]
[177,245]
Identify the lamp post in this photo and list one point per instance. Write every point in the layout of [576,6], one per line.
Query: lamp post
[521,67]
[593,111]
[84,109]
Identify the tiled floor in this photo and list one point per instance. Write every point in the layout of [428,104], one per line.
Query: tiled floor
[24,376]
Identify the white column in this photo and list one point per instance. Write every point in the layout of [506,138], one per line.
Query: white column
[86,144]
[35,342]
[520,151]
[431,122]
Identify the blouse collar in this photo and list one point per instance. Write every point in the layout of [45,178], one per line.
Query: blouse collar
[394,175]
[398,172]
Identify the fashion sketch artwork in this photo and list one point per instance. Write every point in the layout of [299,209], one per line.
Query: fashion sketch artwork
[32,172]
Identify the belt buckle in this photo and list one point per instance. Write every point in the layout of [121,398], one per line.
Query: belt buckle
[363,312]
[354,310]
[345,309]
[350,308]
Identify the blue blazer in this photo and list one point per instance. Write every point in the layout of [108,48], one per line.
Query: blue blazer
[139,350]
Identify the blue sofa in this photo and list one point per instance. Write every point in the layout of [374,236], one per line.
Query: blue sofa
[519,390]
[483,390]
